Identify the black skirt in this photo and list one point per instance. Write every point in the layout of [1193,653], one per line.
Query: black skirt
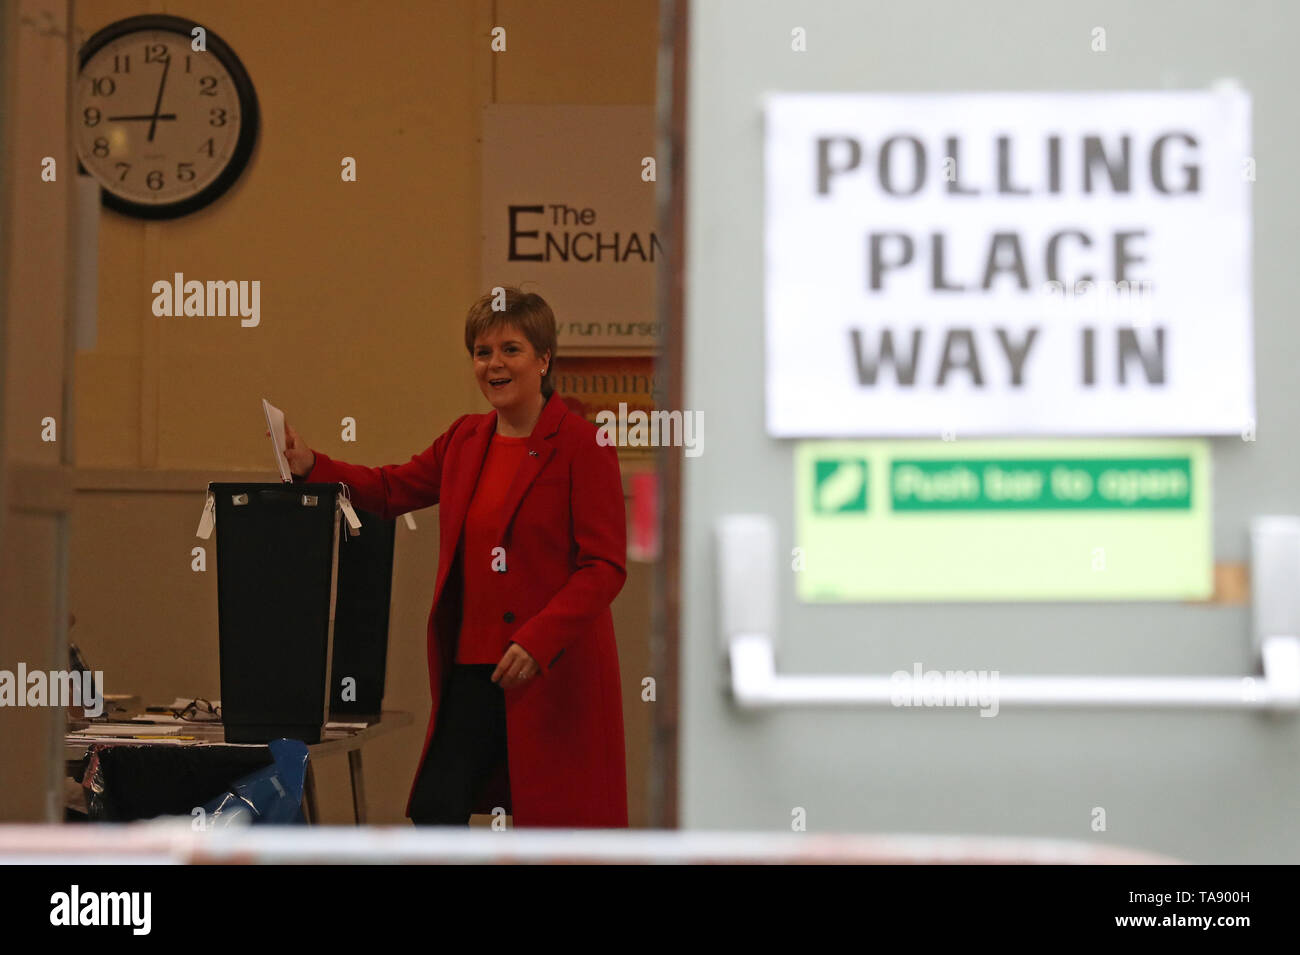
[468,748]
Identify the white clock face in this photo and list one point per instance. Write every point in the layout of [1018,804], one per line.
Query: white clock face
[156,121]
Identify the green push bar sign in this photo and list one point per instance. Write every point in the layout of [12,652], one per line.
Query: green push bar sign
[1003,520]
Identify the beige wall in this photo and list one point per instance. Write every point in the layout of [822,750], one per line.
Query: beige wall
[364,292]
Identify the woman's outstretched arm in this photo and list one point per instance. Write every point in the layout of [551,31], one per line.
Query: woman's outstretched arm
[391,489]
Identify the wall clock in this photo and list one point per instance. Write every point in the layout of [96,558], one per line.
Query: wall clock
[164,128]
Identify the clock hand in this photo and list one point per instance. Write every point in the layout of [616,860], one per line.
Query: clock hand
[167,65]
[112,119]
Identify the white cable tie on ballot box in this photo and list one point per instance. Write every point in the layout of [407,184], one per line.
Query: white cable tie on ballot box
[345,504]
[208,519]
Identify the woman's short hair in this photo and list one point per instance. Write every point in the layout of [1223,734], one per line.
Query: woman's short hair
[528,311]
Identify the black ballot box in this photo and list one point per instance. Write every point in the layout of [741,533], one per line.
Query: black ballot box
[365,587]
[297,597]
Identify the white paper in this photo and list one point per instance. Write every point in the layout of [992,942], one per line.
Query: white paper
[960,170]
[136,729]
[275,424]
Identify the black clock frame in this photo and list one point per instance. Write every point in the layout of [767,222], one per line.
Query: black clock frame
[249,117]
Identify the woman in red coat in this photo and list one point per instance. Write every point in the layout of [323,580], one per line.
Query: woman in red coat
[523,667]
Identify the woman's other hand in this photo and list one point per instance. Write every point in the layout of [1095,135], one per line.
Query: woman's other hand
[300,457]
[516,668]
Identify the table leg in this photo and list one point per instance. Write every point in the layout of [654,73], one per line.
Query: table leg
[358,786]
[309,796]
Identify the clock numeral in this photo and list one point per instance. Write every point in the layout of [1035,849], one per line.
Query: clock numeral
[156,53]
[100,148]
[122,63]
[218,117]
[185,171]
[208,86]
[154,180]
[102,86]
[125,167]
[92,116]
[207,147]
[187,62]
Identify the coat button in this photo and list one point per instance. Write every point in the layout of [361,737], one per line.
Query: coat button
[509,617]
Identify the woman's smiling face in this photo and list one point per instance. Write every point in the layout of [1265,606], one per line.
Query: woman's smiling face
[508,370]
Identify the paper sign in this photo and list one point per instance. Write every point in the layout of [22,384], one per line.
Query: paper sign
[577,225]
[1003,264]
[1003,520]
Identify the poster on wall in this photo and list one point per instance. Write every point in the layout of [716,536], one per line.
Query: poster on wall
[569,213]
[1027,519]
[1003,264]
[613,392]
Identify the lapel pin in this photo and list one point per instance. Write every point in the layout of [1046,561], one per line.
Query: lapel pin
[532,453]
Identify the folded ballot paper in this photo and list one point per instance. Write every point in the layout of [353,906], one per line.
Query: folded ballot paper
[275,425]
[279,441]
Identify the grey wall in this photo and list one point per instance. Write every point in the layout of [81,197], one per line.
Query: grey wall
[1203,786]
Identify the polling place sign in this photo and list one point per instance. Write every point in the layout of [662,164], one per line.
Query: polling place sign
[982,264]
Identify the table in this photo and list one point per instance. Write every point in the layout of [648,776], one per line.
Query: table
[335,739]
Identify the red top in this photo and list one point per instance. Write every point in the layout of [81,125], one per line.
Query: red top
[479,615]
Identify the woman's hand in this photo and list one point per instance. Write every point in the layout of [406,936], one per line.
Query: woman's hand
[300,457]
[516,668]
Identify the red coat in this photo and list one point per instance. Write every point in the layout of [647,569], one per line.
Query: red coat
[565,538]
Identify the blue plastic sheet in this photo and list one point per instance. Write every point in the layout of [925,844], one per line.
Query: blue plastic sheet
[269,796]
